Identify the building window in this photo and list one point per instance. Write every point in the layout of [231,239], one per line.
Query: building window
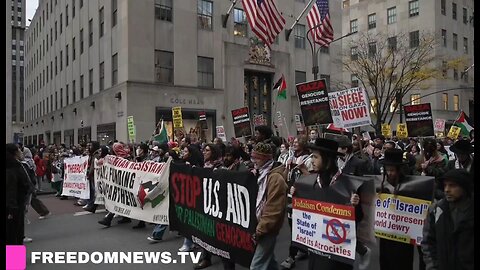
[372,21]
[81,3]
[445,101]
[240,23]
[73,8]
[205,72]
[465,75]
[73,49]
[454,11]
[354,26]
[114,69]
[55,30]
[61,97]
[81,41]
[444,37]
[444,69]
[164,67]
[56,66]
[455,42]
[465,45]
[163,10]
[392,15]
[51,36]
[372,49]
[66,55]
[465,16]
[456,100]
[300,36]
[66,15]
[82,90]
[90,33]
[392,43]
[61,60]
[51,70]
[354,80]
[354,53]
[455,74]
[413,9]
[56,101]
[204,13]
[101,22]
[68,95]
[90,82]
[61,23]
[443,7]
[327,79]
[74,92]
[415,99]
[300,76]
[114,12]
[102,76]
[414,39]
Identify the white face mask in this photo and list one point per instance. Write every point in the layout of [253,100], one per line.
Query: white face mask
[138,151]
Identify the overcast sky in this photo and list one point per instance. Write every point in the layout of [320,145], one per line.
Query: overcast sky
[31,7]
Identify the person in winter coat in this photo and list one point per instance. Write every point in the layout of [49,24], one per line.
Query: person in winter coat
[432,164]
[448,232]
[29,166]
[18,187]
[40,169]
[464,158]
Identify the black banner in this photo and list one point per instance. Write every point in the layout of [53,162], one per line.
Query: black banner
[419,120]
[306,187]
[216,209]
[314,103]
[241,122]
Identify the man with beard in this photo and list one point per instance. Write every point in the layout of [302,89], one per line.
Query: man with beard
[432,164]
[348,162]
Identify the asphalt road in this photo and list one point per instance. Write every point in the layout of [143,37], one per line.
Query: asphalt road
[69,228]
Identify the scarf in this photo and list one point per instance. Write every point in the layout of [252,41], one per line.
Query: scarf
[262,187]
[334,179]
[213,164]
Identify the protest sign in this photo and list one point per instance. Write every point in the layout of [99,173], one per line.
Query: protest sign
[221,133]
[279,119]
[298,122]
[215,209]
[259,120]
[332,226]
[350,108]
[137,190]
[439,125]
[131,128]
[314,103]
[400,218]
[75,181]
[202,117]
[241,122]
[454,132]
[402,132]
[177,117]
[419,120]
[386,130]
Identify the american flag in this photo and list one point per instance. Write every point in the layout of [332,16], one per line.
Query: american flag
[319,14]
[264,19]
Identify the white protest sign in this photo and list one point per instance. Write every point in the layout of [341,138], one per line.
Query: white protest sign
[75,181]
[350,108]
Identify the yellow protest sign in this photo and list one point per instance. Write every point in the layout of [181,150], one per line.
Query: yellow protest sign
[131,128]
[454,132]
[402,132]
[177,117]
[386,130]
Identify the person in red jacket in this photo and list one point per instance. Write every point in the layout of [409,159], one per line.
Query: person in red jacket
[40,169]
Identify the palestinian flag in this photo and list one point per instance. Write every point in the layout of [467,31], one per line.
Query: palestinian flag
[155,192]
[464,122]
[162,136]
[281,86]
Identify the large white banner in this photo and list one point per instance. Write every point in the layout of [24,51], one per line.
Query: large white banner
[137,190]
[400,218]
[350,108]
[75,181]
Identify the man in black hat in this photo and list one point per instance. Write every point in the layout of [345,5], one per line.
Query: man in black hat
[448,232]
[349,163]
[394,254]
[464,159]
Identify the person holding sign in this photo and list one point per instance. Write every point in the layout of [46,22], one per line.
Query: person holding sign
[448,232]
[324,156]
[270,205]
[394,254]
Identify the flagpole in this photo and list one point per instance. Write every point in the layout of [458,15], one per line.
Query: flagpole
[225,17]
[153,133]
[288,32]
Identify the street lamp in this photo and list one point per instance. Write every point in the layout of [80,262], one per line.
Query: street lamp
[316,50]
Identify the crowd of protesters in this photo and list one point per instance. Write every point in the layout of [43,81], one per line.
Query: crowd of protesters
[278,163]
